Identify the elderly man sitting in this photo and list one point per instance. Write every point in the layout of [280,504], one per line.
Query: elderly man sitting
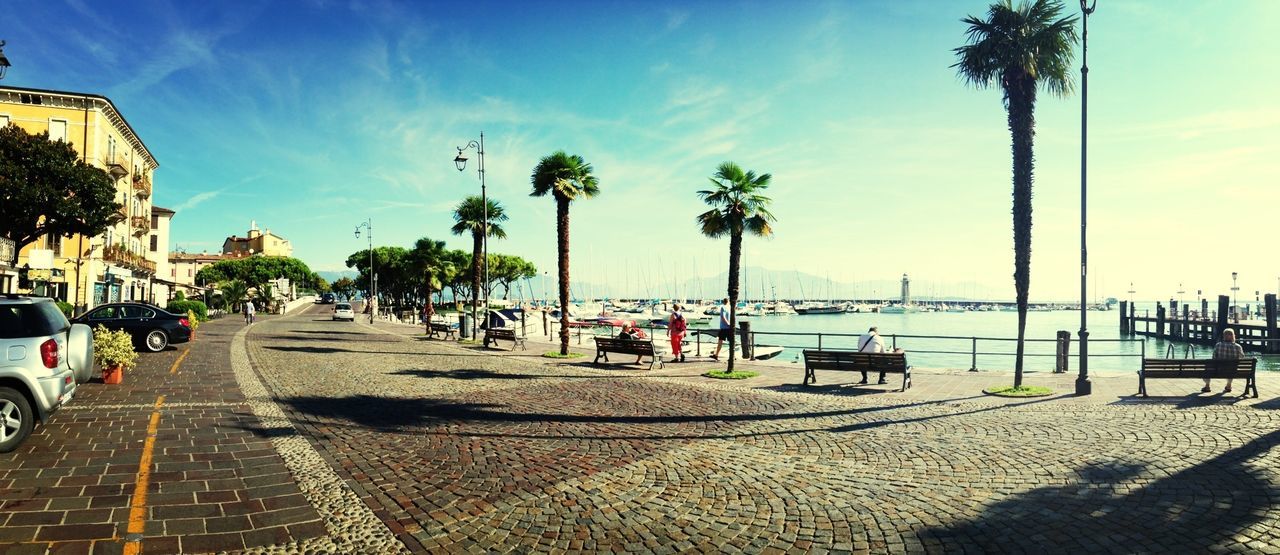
[1227,349]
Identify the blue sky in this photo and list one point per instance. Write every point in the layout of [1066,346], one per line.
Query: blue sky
[309,117]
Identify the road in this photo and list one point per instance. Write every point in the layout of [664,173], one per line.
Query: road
[383,441]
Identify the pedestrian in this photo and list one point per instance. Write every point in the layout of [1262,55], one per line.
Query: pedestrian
[871,342]
[249,312]
[1227,349]
[725,330]
[676,327]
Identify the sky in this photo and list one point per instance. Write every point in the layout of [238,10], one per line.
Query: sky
[310,116]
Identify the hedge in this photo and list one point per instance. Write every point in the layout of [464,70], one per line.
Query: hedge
[181,307]
[67,309]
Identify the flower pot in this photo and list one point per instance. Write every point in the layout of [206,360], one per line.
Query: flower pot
[113,374]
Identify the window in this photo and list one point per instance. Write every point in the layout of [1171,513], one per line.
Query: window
[154,242]
[4,120]
[108,238]
[111,149]
[173,272]
[155,221]
[189,273]
[55,244]
[58,130]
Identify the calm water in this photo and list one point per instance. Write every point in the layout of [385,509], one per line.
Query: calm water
[1107,353]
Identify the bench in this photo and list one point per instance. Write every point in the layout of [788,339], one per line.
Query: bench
[1200,368]
[505,334]
[638,347]
[440,327]
[888,363]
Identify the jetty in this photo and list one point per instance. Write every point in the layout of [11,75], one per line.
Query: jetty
[1178,322]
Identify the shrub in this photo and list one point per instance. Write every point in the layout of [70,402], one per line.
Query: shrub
[113,347]
[191,317]
[180,296]
[67,309]
[182,307]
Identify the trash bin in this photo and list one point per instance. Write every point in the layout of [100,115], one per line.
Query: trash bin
[464,326]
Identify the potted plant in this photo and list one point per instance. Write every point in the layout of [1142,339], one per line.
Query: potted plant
[195,322]
[113,352]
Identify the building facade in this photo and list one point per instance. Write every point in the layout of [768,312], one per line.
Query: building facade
[113,266]
[257,242]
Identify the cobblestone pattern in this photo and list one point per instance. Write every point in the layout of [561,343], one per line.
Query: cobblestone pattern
[459,450]
[216,483]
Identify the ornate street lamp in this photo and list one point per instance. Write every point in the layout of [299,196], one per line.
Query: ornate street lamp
[4,62]
[461,162]
[368,227]
[1234,289]
[1083,385]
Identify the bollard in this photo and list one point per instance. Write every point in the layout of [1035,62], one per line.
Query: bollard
[1064,352]
[748,350]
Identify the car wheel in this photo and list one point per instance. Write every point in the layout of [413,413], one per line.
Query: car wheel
[16,419]
[156,341]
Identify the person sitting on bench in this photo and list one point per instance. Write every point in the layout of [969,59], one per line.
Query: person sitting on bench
[1227,349]
[631,333]
[871,342]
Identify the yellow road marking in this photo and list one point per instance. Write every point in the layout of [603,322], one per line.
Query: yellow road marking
[138,506]
[174,369]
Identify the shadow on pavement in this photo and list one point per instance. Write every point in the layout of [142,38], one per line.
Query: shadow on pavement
[1188,401]
[1128,507]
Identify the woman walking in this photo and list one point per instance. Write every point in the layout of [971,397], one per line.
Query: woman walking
[676,327]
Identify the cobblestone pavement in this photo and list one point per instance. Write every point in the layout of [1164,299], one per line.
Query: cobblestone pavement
[456,449]
[214,483]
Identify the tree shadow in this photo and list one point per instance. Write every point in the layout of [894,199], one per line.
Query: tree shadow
[466,374]
[838,390]
[1188,401]
[1130,506]
[324,332]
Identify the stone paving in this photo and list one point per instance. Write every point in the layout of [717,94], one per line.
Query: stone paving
[456,449]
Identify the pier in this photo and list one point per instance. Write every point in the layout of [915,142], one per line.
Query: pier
[1175,322]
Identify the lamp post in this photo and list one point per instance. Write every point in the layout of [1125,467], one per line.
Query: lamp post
[4,62]
[1083,385]
[461,162]
[368,227]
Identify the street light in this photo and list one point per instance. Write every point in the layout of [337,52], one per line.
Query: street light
[1234,288]
[368,227]
[1083,386]
[461,162]
[4,62]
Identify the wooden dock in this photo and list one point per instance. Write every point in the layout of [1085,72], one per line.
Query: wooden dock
[1203,327]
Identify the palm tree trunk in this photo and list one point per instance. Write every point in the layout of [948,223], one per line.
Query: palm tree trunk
[735,255]
[477,240]
[562,247]
[1022,97]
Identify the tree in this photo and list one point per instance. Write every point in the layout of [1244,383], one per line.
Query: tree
[344,287]
[1020,49]
[737,206]
[256,271]
[45,189]
[469,217]
[567,177]
[233,292]
[505,269]
[430,260]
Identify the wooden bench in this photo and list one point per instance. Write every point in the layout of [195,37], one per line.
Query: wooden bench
[505,334]
[1200,368]
[638,347]
[439,327]
[888,363]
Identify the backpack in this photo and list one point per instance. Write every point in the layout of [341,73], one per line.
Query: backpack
[678,324]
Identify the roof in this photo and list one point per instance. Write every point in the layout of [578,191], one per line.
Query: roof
[158,210]
[104,99]
[182,256]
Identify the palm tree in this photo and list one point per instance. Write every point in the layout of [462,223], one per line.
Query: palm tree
[567,177]
[233,292]
[737,206]
[1020,49]
[469,217]
[430,260]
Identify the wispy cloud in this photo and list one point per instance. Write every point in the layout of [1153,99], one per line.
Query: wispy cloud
[196,200]
[676,19]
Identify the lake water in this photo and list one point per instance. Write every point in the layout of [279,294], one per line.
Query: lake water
[1108,352]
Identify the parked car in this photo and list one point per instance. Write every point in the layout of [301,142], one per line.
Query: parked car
[328,298]
[46,357]
[343,311]
[153,328]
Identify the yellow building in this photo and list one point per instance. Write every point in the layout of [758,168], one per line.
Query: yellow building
[117,264]
[257,242]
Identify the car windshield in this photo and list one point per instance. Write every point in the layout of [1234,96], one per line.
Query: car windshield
[344,306]
[31,320]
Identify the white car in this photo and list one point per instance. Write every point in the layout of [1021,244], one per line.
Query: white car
[342,311]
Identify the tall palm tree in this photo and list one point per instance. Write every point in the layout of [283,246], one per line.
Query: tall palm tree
[469,217]
[430,260]
[566,177]
[1020,49]
[233,292]
[737,206]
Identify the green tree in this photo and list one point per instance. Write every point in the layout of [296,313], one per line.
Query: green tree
[1020,49]
[344,287]
[431,261]
[505,269]
[45,189]
[256,271]
[566,177]
[234,292]
[737,206]
[469,217]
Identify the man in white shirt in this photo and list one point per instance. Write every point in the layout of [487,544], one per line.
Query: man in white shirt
[871,342]
[724,331]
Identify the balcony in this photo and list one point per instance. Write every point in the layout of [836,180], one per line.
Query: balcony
[141,225]
[141,185]
[115,167]
[119,256]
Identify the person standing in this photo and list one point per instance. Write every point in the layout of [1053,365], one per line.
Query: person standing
[724,332]
[1227,349]
[676,327]
[249,312]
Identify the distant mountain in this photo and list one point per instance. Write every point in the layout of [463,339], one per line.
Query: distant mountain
[334,276]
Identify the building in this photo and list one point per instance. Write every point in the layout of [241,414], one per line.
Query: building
[158,250]
[257,242]
[115,265]
[183,268]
